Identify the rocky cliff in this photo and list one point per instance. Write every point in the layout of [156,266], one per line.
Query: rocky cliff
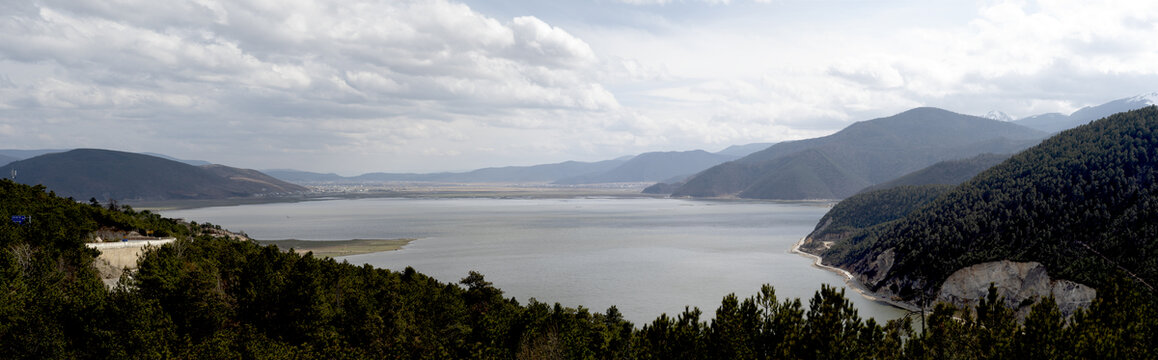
[1020,283]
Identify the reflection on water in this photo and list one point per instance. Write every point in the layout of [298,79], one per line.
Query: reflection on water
[646,256]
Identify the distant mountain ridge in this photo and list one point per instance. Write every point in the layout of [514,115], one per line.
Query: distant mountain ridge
[646,167]
[653,166]
[1055,122]
[107,174]
[863,154]
[5,159]
[744,150]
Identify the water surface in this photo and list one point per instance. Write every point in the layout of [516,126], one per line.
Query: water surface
[646,256]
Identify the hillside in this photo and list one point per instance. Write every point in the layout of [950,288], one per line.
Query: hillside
[950,172]
[653,166]
[208,296]
[105,174]
[1081,203]
[252,180]
[871,208]
[744,150]
[863,154]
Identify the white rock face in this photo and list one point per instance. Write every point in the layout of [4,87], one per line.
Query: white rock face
[1016,282]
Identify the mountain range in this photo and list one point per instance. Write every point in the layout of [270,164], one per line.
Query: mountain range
[107,174]
[861,155]
[1055,122]
[1081,204]
[646,167]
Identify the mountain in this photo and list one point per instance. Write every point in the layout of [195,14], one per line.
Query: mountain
[25,154]
[998,115]
[744,150]
[863,154]
[1081,204]
[190,162]
[536,173]
[10,155]
[1049,122]
[254,179]
[1054,122]
[950,172]
[5,159]
[653,166]
[303,177]
[871,208]
[106,174]
[545,173]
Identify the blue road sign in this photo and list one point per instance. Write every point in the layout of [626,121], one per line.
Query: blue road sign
[21,219]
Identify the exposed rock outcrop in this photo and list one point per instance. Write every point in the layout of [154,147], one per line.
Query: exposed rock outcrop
[1020,283]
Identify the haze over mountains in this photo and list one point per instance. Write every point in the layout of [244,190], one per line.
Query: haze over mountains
[1054,122]
[647,167]
[863,155]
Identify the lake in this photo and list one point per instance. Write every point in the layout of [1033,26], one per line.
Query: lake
[647,256]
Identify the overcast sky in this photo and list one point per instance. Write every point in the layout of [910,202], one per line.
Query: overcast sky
[357,86]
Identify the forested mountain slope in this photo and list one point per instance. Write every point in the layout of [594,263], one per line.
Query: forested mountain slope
[949,172]
[871,208]
[207,297]
[863,154]
[1083,203]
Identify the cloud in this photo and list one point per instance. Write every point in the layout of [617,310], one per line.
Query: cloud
[251,64]
[664,2]
[435,84]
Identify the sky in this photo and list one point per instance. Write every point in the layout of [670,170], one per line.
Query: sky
[358,86]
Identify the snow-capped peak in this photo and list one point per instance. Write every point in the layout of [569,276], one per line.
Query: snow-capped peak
[998,115]
[1151,98]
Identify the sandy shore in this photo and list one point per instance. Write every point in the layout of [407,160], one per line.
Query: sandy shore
[850,280]
[335,248]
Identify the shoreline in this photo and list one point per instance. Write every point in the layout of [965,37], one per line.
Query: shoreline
[443,191]
[849,279]
[337,248]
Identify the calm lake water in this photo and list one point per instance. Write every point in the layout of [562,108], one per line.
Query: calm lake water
[646,256]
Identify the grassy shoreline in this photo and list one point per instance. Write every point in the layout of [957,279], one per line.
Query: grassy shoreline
[336,248]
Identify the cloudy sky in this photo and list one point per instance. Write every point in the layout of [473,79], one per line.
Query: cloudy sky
[356,86]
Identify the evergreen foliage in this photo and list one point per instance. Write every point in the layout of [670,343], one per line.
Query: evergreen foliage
[214,297]
[872,208]
[1082,203]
